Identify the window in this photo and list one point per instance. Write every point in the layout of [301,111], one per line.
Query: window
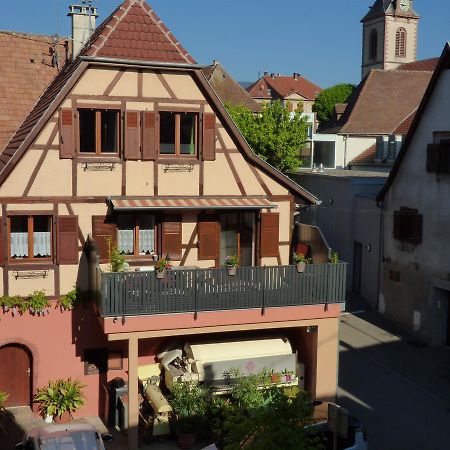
[30,237]
[324,153]
[373,45]
[99,131]
[136,235]
[178,133]
[408,225]
[438,153]
[400,43]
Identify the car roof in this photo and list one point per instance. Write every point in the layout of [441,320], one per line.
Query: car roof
[60,430]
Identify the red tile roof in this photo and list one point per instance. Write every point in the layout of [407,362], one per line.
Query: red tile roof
[427,65]
[366,157]
[383,100]
[282,87]
[134,31]
[25,71]
[404,127]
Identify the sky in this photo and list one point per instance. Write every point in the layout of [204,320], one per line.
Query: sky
[319,39]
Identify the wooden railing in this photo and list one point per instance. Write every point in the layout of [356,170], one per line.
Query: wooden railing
[183,290]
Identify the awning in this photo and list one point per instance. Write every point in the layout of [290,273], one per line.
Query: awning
[148,203]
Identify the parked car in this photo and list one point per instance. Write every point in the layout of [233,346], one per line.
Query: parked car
[72,436]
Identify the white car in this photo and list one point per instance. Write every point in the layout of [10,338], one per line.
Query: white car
[65,436]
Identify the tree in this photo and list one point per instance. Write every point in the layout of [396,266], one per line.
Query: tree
[276,135]
[327,99]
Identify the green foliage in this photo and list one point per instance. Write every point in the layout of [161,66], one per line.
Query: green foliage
[334,257]
[60,396]
[3,397]
[327,99]
[232,261]
[163,264]
[301,258]
[189,402]
[117,261]
[73,298]
[36,304]
[273,134]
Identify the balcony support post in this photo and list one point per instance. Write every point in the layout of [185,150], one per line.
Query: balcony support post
[133,394]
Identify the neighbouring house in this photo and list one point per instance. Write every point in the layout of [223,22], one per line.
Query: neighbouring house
[349,203]
[415,260]
[130,147]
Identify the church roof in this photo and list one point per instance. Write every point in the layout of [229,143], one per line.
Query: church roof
[385,7]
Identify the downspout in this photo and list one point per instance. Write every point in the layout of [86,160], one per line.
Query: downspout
[345,150]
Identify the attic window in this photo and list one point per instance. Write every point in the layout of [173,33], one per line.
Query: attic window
[99,131]
[178,133]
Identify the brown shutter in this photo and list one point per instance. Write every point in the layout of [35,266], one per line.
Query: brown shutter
[2,247]
[208,238]
[397,224]
[132,135]
[433,158]
[102,231]
[149,148]
[171,237]
[418,225]
[270,232]
[67,240]
[66,134]
[209,137]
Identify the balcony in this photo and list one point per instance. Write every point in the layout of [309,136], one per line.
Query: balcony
[197,290]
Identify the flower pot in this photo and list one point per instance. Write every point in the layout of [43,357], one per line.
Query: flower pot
[160,274]
[63,418]
[275,378]
[186,440]
[232,270]
[48,419]
[301,267]
[287,378]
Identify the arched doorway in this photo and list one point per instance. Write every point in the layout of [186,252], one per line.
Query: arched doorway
[15,374]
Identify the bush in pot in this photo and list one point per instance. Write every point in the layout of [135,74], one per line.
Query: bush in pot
[300,261]
[189,402]
[161,265]
[60,399]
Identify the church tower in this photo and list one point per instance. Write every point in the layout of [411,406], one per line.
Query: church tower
[389,35]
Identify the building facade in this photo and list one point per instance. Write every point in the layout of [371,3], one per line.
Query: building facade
[130,148]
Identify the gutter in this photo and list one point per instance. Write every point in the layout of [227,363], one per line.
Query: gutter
[140,63]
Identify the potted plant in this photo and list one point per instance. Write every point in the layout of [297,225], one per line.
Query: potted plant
[60,399]
[288,375]
[300,261]
[334,257]
[161,265]
[189,402]
[275,377]
[232,263]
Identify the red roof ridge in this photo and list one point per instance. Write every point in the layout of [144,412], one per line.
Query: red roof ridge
[403,124]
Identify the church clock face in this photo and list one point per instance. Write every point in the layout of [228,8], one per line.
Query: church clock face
[404,5]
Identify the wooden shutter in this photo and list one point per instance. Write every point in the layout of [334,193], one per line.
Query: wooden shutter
[171,237]
[2,247]
[149,144]
[66,134]
[67,227]
[208,238]
[270,232]
[418,225]
[433,158]
[102,230]
[398,225]
[132,135]
[209,137]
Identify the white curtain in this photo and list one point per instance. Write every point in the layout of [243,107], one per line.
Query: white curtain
[19,245]
[146,240]
[126,241]
[41,243]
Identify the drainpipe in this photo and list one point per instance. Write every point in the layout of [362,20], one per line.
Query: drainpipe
[345,150]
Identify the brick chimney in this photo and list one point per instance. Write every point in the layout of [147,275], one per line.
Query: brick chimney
[83,25]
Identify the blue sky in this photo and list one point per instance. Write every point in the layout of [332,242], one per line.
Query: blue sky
[320,39]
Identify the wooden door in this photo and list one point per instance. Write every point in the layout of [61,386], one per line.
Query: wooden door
[15,374]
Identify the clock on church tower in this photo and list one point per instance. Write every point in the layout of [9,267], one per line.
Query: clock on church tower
[389,35]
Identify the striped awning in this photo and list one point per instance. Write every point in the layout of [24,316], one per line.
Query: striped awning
[146,203]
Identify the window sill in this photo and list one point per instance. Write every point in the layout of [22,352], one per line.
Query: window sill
[31,265]
[98,158]
[178,160]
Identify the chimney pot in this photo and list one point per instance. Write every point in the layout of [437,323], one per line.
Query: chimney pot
[266,73]
[83,26]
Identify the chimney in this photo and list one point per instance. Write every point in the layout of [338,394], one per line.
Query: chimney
[266,73]
[295,76]
[83,25]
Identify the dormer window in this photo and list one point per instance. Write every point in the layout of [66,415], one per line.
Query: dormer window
[99,131]
[178,133]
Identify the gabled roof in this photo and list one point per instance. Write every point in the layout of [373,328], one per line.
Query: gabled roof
[386,7]
[54,95]
[382,101]
[366,157]
[427,65]
[269,87]
[444,64]
[134,31]
[25,71]
[228,90]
